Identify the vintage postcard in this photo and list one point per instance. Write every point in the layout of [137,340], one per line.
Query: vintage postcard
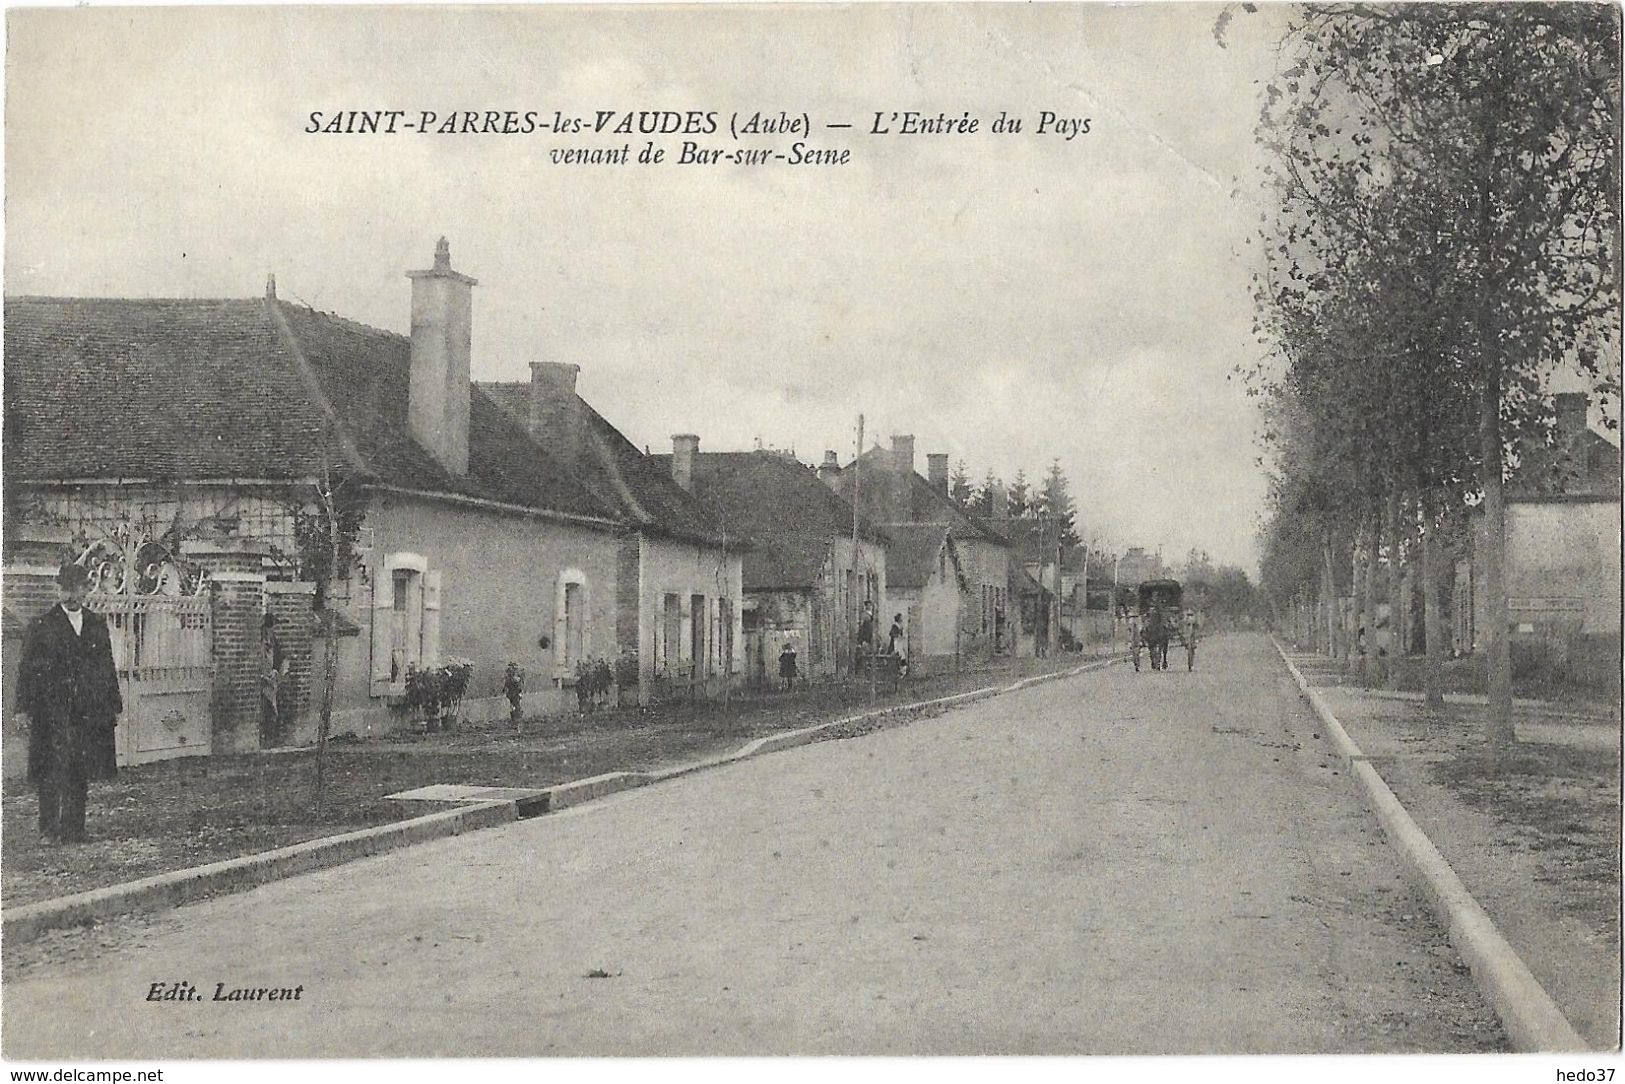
[629,531]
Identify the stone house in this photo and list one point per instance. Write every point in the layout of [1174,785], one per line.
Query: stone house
[678,609]
[179,448]
[804,582]
[891,493]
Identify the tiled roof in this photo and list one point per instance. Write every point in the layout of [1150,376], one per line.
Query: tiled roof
[780,505]
[637,486]
[912,556]
[915,500]
[173,390]
[153,389]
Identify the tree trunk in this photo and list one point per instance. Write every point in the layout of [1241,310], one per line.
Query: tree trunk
[1490,547]
[1368,601]
[1432,619]
[1356,602]
[1372,563]
[1396,593]
[1330,595]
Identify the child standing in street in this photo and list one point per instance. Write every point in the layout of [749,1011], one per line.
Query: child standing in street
[787,666]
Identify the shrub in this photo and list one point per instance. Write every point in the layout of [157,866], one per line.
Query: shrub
[594,678]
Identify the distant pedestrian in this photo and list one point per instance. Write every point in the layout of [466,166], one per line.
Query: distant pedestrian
[787,666]
[894,638]
[67,687]
[866,637]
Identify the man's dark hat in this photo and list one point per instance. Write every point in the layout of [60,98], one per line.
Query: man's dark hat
[73,575]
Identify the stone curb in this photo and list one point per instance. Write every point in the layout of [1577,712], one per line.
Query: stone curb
[1532,1019]
[25,923]
[20,924]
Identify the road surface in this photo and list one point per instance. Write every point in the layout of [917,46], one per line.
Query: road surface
[1119,863]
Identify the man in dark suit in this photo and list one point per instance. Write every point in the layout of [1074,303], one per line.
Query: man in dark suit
[68,688]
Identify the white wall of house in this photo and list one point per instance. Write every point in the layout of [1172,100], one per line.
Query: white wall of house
[1563,566]
[986,567]
[683,588]
[501,582]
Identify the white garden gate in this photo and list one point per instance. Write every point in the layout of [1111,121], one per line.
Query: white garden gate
[159,616]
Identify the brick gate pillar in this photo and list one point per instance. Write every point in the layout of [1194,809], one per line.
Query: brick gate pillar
[295,629]
[237,604]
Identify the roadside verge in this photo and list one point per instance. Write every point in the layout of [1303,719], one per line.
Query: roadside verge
[1532,1019]
[27,922]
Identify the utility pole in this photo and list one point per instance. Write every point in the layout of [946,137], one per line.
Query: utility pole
[857,475]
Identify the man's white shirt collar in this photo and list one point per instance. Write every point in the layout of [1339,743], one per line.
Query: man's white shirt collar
[76,618]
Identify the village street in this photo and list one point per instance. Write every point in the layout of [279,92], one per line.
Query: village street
[1113,863]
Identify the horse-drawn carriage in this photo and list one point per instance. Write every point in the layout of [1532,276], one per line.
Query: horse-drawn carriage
[1161,620]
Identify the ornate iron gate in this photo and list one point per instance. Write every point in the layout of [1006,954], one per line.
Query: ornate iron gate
[158,613]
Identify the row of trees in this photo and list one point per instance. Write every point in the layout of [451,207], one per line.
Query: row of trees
[1050,499]
[1224,593]
[1442,238]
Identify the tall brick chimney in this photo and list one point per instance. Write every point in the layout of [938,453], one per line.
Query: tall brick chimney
[937,471]
[557,420]
[1001,501]
[902,454]
[442,335]
[684,447]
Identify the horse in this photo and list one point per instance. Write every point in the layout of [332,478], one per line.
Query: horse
[1156,634]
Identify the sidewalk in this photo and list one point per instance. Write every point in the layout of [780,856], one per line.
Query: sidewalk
[1536,841]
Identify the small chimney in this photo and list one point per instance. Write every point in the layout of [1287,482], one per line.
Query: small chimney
[937,471]
[270,287]
[684,447]
[557,421]
[902,454]
[442,334]
[1001,501]
[829,471]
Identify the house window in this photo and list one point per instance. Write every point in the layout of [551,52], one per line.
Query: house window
[571,636]
[671,629]
[405,620]
[696,631]
[574,622]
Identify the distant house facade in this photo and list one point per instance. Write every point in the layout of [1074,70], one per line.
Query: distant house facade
[1562,551]
[804,581]
[679,601]
[890,492]
[194,455]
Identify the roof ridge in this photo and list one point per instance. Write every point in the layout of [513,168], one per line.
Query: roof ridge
[606,457]
[313,385]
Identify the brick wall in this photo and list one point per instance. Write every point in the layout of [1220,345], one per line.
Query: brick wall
[237,606]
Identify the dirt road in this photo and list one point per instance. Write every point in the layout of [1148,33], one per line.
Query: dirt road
[1115,863]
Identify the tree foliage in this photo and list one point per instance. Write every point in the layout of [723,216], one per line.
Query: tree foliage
[1442,240]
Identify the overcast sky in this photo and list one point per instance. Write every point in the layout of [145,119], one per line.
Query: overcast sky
[1006,299]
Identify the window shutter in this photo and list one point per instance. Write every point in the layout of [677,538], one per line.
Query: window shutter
[431,617]
[383,613]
